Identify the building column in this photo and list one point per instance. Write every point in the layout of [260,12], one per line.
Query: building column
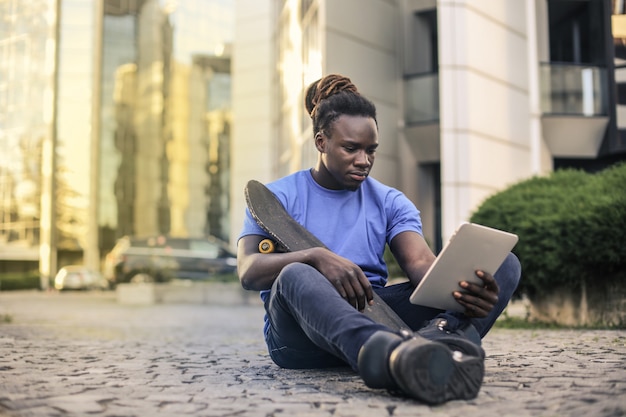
[47,217]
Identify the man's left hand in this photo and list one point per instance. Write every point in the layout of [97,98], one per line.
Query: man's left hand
[478,299]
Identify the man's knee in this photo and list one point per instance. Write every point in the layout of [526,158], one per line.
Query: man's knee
[295,271]
[509,273]
[296,274]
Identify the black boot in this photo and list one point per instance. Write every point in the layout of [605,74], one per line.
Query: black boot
[458,335]
[422,369]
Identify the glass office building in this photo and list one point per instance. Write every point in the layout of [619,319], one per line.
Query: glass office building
[115,120]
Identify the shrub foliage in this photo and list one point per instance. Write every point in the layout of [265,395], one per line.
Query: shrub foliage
[571,226]
[19,281]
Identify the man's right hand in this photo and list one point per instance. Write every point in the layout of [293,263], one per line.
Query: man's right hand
[347,278]
[257,271]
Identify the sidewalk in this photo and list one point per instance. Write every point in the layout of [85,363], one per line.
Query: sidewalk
[79,354]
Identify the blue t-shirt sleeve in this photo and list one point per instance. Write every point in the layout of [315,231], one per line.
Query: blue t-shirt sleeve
[402,215]
[250,227]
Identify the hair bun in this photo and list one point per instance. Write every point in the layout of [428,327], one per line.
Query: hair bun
[325,87]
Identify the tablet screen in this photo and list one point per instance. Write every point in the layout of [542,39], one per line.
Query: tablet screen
[470,248]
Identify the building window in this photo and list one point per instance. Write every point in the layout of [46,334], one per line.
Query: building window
[422,53]
[618,27]
[577,32]
[574,81]
[422,81]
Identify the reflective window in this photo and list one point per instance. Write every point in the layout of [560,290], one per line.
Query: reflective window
[73,133]
[165,112]
[574,82]
[576,31]
[26,86]
[618,27]
[154,83]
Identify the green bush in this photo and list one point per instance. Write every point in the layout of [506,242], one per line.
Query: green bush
[393,269]
[19,281]
[233,277]
[571,226]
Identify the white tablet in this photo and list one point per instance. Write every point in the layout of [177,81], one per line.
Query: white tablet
[470,248]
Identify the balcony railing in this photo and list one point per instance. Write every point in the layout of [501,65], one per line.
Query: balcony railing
[421,98]
[573,89]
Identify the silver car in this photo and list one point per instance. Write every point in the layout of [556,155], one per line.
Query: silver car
[79,277]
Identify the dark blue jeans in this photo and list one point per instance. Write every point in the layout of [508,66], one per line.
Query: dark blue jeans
[311,326]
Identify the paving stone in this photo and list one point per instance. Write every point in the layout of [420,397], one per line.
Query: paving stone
[80,354]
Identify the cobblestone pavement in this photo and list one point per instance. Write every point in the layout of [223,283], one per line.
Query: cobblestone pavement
[83,354]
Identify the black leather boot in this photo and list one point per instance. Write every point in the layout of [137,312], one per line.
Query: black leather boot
[422,369]
[460,336]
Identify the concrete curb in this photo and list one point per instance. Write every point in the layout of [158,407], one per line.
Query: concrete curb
[185,292]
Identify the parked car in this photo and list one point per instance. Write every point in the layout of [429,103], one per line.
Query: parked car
[161,259]
[79,277]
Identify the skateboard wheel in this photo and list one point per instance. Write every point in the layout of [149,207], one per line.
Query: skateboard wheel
[266,246]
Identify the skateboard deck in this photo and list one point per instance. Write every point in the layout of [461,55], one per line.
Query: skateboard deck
[289,236]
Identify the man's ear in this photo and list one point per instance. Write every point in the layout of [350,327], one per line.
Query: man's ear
[320,142]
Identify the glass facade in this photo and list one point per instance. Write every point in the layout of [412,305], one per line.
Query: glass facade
[585,75]
[421,85]
[618,27]
[421,101]
[27,62]
[136,102]
[165,119]
[575,82]
[75,72]
[573,90]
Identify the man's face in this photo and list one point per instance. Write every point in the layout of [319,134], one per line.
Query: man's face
[347,156]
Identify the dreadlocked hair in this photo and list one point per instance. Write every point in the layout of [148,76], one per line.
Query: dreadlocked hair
[332,96]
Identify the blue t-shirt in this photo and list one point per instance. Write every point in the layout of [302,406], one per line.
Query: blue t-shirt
[353,224]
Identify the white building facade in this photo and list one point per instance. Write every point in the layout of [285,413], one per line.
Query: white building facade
[472,95]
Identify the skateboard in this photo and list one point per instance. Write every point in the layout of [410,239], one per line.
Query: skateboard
[287,235]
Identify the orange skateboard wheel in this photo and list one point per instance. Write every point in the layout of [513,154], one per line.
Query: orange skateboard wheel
[266,246]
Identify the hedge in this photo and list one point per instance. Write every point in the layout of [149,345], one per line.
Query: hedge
[19,281]
[571,226]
